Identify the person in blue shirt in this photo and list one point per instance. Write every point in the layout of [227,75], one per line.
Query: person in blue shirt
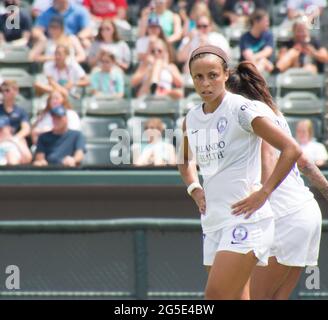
[60,146]
[19,120]
[257,44]
[76,20]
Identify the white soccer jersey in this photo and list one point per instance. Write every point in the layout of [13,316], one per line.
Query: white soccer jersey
[229,156]
[291,195]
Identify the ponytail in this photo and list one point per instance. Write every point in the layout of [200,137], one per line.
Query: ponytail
[247,81]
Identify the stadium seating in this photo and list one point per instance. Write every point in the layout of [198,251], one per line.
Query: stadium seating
[104,105]
[191,101]
[234,34]
[101,128]
[298,79]
[106,153]
[156,106]
[25,104]
[15,56]
[301,103]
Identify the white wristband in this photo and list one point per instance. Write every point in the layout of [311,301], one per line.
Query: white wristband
[193,186]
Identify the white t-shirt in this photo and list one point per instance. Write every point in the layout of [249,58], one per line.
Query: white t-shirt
[73,72]
[73,121]
[315,151]
[229,156]
[291,195]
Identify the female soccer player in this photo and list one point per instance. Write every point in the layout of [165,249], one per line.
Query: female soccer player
[224,135]
[297,214]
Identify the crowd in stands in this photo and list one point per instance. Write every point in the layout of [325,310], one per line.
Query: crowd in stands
[80,48]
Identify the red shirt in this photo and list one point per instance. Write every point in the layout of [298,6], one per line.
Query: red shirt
[104,8]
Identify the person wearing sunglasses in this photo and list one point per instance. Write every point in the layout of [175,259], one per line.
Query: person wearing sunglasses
[154,31]
[157,74]
[202,35]
[19,120]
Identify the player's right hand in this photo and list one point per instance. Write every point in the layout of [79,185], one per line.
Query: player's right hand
[199,197]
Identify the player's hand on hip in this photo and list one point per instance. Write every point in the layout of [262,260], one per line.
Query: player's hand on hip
[250,204]
[199,197]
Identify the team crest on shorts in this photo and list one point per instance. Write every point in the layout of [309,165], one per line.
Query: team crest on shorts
[239,233]
[222,124]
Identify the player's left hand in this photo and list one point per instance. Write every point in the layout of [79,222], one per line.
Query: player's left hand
[250,204]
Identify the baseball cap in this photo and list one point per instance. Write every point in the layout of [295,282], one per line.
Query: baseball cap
[153,20]
[59,111]
[4,121]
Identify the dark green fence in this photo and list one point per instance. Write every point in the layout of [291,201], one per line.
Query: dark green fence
[113,259]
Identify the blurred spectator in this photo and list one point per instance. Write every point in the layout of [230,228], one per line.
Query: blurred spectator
[108,39]
[154,31]
[40,6]
[61,145]
[237,11]
[19,120]
[198,9]
[157,74]
[303,51]
[157,152]
[309,8]
[15,24]
[44,120]
[257,45]
[61,75]
[315,151]
[169,21]
[44,50]
[214,7]
[203,35]
[100,9]
[76,20]
[109,79]
[13,150]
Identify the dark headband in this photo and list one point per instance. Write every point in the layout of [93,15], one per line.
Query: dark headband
[209,49]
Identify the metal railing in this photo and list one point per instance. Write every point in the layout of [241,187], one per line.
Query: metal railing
[139,227]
